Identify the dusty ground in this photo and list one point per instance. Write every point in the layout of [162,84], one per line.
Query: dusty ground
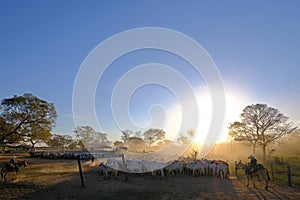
[59,179]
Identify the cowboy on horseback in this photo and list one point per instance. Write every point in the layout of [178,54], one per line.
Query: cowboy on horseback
[252,163]
[13,162]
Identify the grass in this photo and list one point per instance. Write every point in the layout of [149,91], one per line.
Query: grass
[280,163]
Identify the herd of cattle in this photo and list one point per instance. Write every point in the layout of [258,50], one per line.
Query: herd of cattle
[175,168]
[61,155]
[112,167]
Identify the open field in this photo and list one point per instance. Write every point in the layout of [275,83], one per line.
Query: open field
[280,164]
[59,179]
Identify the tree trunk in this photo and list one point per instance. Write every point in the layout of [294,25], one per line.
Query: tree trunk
[264,153]
[32,145]
[253,149]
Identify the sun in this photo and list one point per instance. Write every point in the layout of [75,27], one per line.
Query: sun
[235,103]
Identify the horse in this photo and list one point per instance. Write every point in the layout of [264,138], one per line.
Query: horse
[239,165]
[259,171]
[9,167]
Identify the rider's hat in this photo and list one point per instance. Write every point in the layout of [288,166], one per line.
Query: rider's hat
[251,156]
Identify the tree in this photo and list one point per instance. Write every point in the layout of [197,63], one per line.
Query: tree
[25,116]
[290,143]
[118,143]
[191,133]
[240,132]
[85,134]
[153,135]
[135,141]
[37,135]
[136,144]
[260,125]
[91,138]
[185,140]
[60,141]
[55,141]
[126,134]
[167,142]
[6,138]
[81,145]
[164,142]
[102,138]
[67,141]
[73,145]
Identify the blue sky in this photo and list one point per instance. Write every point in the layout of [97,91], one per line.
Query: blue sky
[255,45]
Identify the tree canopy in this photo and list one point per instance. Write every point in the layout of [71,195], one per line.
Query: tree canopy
[260,125]
[62,141]
[126,134]
[91,138]
[36,135]
[153,135]
[25,117]
[185,139]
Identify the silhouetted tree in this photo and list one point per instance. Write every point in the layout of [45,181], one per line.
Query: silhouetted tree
[126,134]
[260,125]
[241,132]
[153,135]
[185,139]
[134,141]
[191,133]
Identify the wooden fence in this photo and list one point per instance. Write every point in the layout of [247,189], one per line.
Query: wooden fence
[279,174]
[96,155]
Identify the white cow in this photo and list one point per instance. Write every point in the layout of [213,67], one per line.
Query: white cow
[142,166]
[195,167]
[212,167]
[155,167]
[106,170]
[176,167]
[222,167]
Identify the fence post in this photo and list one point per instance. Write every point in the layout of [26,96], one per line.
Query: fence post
[80,170]
[289,175]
